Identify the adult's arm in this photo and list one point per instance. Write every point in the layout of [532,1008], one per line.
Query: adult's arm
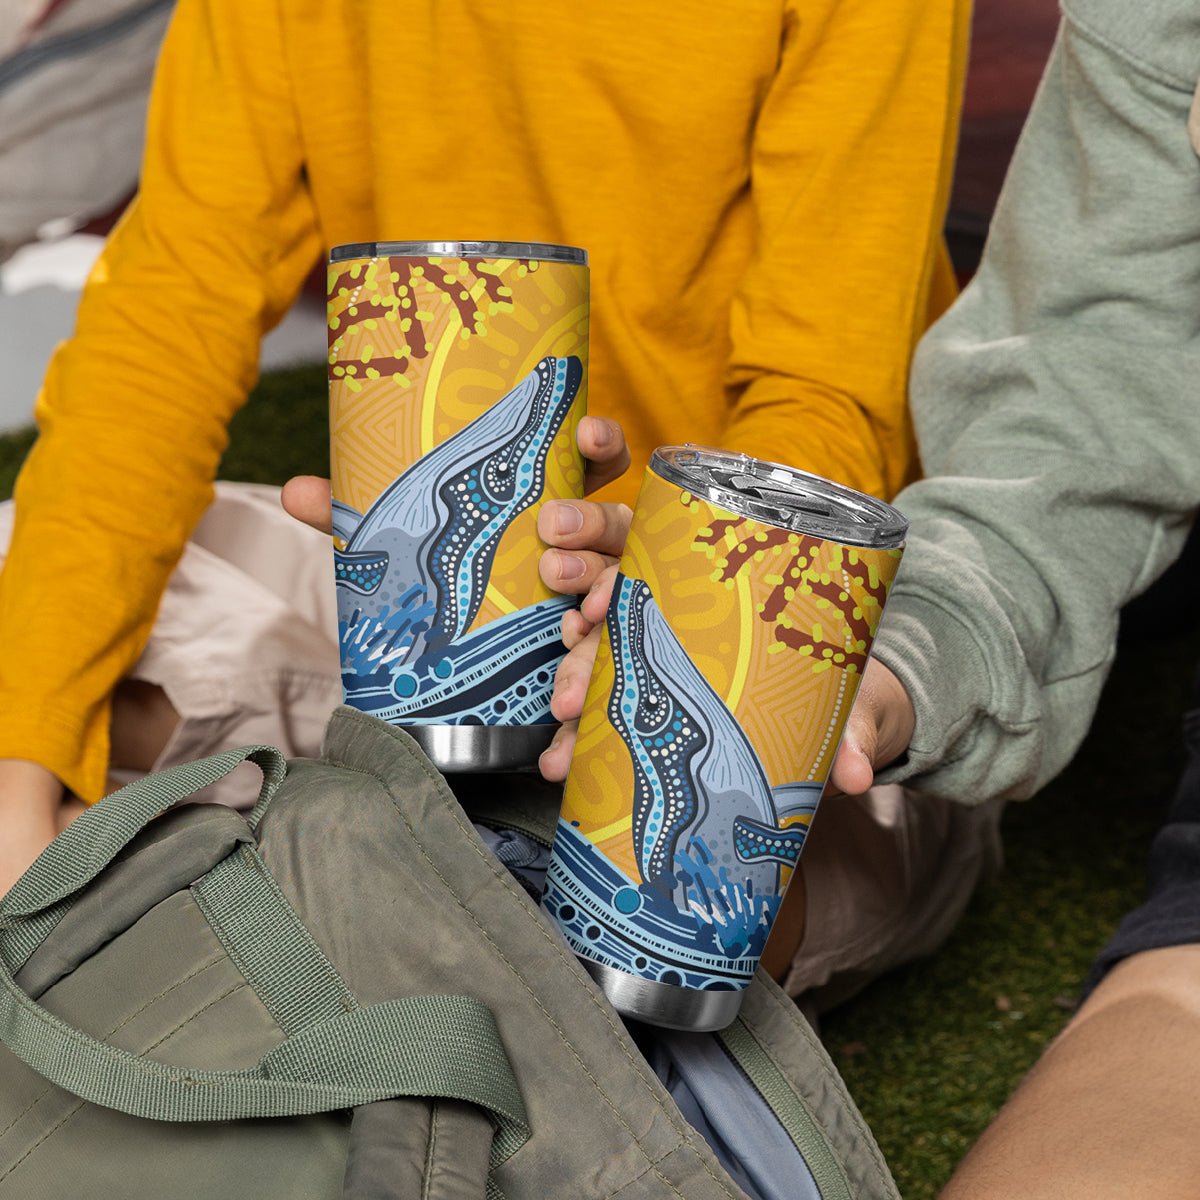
[134,410]
[1055,407]
[850,170]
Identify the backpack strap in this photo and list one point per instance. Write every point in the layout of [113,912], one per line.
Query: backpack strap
[443,1046]
[37,901]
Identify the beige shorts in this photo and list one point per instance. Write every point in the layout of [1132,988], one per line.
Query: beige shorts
[245,648]
[245,643]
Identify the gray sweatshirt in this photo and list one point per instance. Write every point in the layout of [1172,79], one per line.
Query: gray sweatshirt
[1057,407]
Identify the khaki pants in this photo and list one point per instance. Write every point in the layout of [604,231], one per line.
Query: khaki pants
[245,648]
[887,876]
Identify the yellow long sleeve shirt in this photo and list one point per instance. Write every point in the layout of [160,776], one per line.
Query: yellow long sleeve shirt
[760,186]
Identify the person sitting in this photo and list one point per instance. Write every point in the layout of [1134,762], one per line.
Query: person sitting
[1053,406]
[761,193]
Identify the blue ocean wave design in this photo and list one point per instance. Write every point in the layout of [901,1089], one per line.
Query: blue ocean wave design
[500,674]
[713,943]
[709,833]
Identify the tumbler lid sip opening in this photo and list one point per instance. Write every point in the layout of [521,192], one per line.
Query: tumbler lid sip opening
[782,496]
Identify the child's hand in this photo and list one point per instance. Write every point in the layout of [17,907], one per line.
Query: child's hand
[581,633]
[31,798]
[878,731]
[309,500]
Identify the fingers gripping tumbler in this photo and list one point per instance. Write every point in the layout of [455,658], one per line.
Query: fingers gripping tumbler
[457,377]
[737,635]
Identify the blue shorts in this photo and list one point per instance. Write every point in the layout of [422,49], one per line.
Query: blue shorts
[1171,914]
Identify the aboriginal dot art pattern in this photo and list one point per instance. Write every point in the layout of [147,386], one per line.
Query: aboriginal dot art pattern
[731,656]
[455,389]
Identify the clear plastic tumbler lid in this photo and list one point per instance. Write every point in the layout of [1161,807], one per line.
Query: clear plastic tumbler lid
[535,251]
[785,497]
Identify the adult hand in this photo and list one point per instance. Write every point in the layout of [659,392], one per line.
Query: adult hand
[605,455]
[31,804]
[878,731]
[600,441]
[586,540]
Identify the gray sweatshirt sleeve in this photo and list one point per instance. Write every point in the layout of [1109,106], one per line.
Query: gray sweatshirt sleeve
[1057,408]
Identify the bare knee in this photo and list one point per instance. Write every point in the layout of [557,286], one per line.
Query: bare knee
[143,721]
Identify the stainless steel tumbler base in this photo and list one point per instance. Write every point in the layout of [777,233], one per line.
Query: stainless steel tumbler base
[472,749]
[665,1004]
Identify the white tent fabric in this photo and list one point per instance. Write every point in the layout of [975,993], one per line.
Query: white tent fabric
[74,79]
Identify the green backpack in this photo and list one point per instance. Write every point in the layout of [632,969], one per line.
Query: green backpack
[348,994]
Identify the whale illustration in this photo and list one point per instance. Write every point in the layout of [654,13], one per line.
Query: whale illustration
[700,792]
[795,804]
[415,566]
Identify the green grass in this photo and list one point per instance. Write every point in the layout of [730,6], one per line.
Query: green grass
[283,430]
[13,448]
[931,1051]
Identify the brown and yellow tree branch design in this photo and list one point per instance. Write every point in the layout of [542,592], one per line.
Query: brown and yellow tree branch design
[399,292]
[841,581]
